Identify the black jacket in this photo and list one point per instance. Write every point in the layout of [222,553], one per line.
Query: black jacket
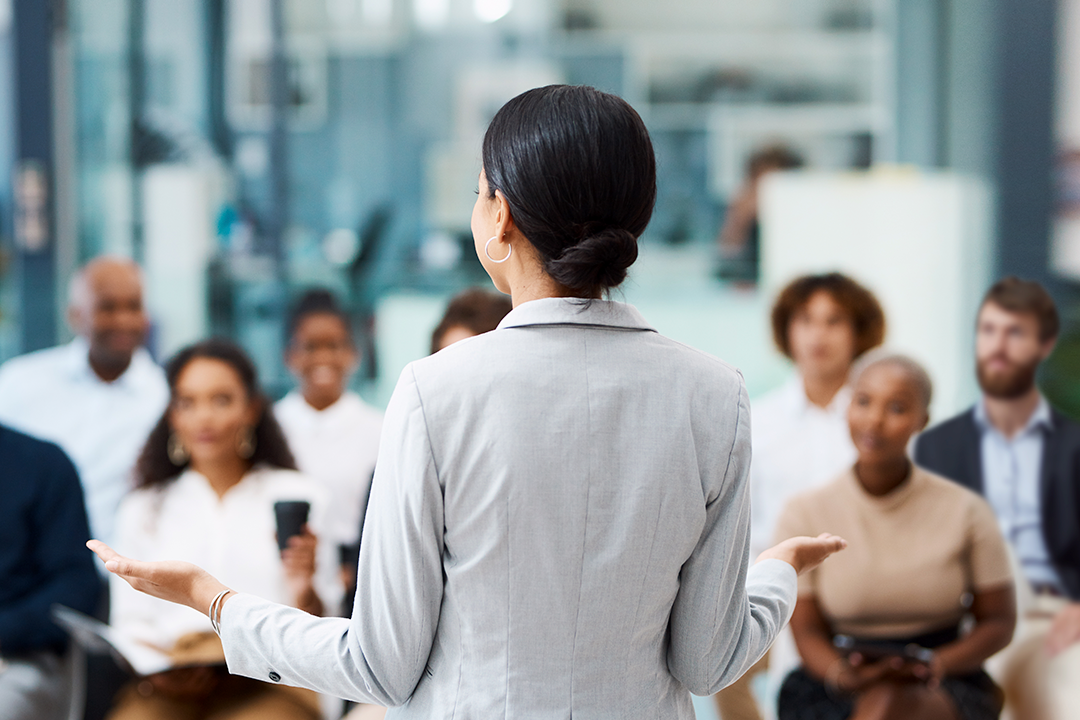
[43,534]
[953,449]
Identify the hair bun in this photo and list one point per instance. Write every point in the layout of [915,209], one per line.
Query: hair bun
[600,260]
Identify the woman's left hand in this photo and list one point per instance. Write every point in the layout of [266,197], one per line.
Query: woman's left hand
[178,582]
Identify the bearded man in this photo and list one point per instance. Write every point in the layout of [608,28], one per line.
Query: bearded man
[1024,457]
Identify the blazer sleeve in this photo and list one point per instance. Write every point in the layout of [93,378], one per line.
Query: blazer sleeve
[379,655]
[726,614]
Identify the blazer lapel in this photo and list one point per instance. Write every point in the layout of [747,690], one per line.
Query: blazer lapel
[972,448]
[1048,478]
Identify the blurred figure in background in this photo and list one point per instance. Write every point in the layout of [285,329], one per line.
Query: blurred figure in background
[1024,457]
[799,432]
[740,236]
[208,478]
[333,434]
[43,560]
[98,396]
[472,312]
[920,545]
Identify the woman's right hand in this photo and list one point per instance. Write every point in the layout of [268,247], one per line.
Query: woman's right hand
[805,553]
[172,580]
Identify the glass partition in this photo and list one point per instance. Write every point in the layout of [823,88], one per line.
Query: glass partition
[361,178]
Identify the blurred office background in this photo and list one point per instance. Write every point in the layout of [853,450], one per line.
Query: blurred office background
[243,150]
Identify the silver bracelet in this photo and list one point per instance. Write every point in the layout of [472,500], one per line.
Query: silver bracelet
[215,610]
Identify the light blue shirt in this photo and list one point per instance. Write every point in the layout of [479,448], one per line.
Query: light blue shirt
[1012,471]
[54,394]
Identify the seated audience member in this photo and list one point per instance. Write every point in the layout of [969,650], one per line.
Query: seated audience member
[799,432]
[333,434]
[98,396]
[43,560]
[919,548]
[472,312]
[208,478]
[1024,458]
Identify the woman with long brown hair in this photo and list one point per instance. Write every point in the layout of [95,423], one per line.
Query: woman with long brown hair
[207,481]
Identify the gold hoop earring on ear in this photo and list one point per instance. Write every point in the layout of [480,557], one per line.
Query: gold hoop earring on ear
[178,454]
[509,252]
[245,447]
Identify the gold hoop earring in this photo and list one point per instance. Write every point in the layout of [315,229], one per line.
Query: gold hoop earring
[245,447]
[178,454]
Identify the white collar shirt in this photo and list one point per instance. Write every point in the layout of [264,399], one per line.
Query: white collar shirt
[55,395]
[232,537]
[797,446]
[1011,471]
[337,446]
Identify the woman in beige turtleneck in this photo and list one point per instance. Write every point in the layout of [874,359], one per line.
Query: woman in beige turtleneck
[924,552]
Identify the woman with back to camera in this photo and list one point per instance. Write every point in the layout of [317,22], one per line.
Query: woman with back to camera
[921,544]
[559,519]
[208,478]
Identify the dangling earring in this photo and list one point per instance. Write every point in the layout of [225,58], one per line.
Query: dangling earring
[178,454]
[509,252]
[245,448]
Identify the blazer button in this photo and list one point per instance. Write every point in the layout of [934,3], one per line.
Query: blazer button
[274,676]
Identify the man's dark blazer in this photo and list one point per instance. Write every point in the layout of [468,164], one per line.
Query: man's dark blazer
[953,449]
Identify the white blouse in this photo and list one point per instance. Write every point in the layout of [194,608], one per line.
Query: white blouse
[797,446]
[337,446]
[233,538]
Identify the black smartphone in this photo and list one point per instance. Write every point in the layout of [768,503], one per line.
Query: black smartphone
[873,651]
[291,516]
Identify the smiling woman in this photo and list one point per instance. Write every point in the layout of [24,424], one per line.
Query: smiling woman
[332,432]
[919,545]
[208,479]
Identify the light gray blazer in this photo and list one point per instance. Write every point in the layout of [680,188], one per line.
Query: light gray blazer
[558,527]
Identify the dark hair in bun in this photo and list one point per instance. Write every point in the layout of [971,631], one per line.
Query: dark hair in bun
[577,168]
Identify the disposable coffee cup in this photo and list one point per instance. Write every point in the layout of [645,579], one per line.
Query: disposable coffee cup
[291,516]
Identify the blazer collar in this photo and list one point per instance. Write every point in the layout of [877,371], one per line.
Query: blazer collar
[576,311]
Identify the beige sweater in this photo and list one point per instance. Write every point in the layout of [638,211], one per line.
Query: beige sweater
[912,558]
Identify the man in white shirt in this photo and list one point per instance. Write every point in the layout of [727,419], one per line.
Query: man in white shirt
[97,397]
[799,432]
